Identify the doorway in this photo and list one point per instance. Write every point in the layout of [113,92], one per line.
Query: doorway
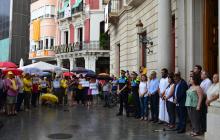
[210,51]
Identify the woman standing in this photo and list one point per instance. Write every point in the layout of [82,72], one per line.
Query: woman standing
[94,91]
[12,92]
[169,98]
[213,91]
[193,103]
[143,97]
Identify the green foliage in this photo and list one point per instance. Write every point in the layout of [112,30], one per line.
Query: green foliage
[104,41]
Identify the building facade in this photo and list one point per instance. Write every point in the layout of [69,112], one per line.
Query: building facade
[178,35]
[43,30]
[173,34]
[80,27]
[14,31]
[69,32]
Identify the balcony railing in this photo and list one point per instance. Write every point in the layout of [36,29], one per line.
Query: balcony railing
[135,3]
[114,8]
[42,53]
[85,46]
[60,15]
[78,9]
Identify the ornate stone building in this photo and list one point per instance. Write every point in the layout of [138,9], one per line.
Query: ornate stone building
[175,34]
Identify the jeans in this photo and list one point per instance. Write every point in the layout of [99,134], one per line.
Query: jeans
[107,99]
[154,103]
[171,112]
[27,97]
[20,100]
[34,99]
[144,107]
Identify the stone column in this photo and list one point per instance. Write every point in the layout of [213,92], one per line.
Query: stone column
[72,63]
[90,62]
[164,32]
[59,62]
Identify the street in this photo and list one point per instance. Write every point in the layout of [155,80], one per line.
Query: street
[81,123]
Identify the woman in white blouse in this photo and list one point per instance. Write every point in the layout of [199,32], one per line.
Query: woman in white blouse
[169,98]
[213,90]
[143,97]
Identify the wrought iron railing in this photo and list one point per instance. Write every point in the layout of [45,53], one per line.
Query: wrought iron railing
[115,6]
[60,15]
[77,46]
[78,9]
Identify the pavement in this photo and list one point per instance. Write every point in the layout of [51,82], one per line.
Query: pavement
[81,123]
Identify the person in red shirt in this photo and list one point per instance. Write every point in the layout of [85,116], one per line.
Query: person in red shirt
[35,90]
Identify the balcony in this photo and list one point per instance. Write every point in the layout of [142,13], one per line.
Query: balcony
[60,15]
[41,54]
[105,2]
[135,3]
[77,47]
[77,9]
[114,7]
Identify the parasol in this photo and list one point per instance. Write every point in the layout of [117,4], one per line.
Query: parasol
[7,65]
[15,71]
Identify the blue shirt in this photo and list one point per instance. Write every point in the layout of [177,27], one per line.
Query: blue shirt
[122,81]
[153,86]
[177,85]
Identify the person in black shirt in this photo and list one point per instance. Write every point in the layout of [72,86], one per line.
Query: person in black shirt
[134,89]
[122,91]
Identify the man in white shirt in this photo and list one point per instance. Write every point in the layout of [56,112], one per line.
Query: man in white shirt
[205,84]
[163,115]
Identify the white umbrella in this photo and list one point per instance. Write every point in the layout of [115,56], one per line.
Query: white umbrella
[21,63]
[43,66]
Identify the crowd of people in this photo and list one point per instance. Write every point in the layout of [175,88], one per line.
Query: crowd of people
[166,101]
[170,97]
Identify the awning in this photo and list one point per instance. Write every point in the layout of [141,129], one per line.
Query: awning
[76,3]
[66,3]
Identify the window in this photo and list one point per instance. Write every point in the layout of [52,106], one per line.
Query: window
[47,11]
[51,42]
[41,45]
[46,47]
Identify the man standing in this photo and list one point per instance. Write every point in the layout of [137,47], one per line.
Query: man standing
[57,88]
[27,91]
[205,84]
[197,71]
[163,115]
[123,93]
[154,97]
[180,99]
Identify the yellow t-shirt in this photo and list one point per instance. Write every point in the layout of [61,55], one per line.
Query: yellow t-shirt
[27,85]
[144,72]
[63,83]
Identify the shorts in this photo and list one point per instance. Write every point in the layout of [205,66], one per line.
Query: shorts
[11,99]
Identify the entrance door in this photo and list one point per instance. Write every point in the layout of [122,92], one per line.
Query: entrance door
[211,36]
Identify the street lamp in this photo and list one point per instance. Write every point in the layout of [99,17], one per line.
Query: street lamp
[143,37]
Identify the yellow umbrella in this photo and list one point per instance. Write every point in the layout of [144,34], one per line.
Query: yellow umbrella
[49,97]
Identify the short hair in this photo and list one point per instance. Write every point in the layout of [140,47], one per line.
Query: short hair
[196,79]
[165,70]
[171,76]
[177,74]
[199,67]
